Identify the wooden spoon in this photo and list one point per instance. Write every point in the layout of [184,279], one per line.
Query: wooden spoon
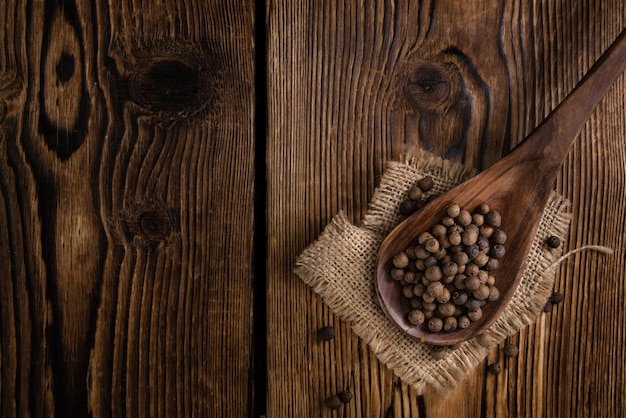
[518,186]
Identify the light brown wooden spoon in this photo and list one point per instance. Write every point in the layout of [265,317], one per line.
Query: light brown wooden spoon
[518,186]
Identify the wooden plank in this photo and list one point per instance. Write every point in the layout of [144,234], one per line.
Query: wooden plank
[343,99]
[126,182]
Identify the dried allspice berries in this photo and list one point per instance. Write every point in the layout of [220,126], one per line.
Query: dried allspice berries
[333,402]
[495,368]
[401,260]
[417,317]
[417,196]
[553,242]
[556,298]
[447,273]
[435,324]
[426,183]
[438,352]
[416,193]
[345,396]
[510,350]
[326,333]
[407,207]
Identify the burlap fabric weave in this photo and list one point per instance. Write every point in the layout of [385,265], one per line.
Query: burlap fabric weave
[340,267]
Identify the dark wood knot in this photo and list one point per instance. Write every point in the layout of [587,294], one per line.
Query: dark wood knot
[65,67]
[151,222]
[166,85]
[432,85]
[3,111]
[155,225]
[65,106]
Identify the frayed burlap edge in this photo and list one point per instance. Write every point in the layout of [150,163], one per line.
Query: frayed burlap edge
[340,265]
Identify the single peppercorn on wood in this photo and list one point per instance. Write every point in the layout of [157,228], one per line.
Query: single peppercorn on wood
[510,350]
[326,333]
[553,242]
[495,368]
[333,402]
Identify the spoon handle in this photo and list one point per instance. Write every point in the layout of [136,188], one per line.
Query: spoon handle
[552,139]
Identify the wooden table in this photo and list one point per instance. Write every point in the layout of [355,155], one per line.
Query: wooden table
[163,163]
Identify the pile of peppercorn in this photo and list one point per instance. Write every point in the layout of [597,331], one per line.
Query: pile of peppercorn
[446,274]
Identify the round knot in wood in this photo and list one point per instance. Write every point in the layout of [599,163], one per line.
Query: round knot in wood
[154,225]
[432,85]
[166,85]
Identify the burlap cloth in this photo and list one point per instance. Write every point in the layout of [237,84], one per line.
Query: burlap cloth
[340,267]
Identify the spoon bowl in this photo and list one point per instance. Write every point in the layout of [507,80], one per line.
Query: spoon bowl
[518,186]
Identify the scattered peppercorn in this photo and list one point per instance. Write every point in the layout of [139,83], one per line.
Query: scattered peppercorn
[547,307]
[415,193]
[495,368]
[438,352]
[426,183]
[510,350]
[556,298]
[345,396]
[333,402]
[326,333]
[407,207]
[553,242]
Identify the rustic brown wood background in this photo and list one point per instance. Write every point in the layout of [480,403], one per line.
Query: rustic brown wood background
[162,163]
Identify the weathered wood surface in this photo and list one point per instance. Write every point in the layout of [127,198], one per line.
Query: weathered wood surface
[127,152]
[126,182]
[352,84]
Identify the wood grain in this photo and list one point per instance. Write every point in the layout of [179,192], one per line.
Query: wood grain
[126,193]
[343,98]
[127,176]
